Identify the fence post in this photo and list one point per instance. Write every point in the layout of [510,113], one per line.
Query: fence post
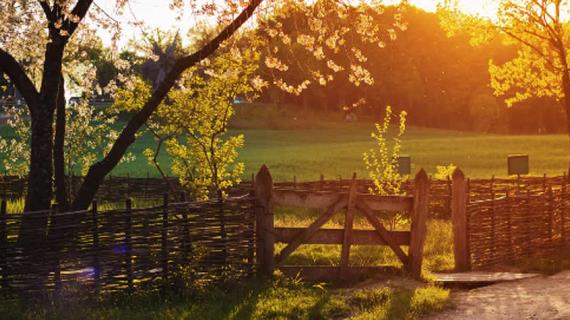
[3,243]
[109,187]
[459,220]
[265,238]
[493,225]
[128,245]
[164,239]
[57,271]
[347,237]
[128,183]
[528,231]
[550,214]
[419,220]
[508,215]
[448,200]
[95,231]
[563,212]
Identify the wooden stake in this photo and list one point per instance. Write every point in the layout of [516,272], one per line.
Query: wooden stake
[265,238]
[3,243]
[348,224]
[164,239]
[419,221]
[95,233]
[459,219]
[128,246]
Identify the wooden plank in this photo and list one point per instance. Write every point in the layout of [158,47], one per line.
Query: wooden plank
[459,220]
[164,239]
[321,200]
[347,236]
[419,221]
[382,232]
[129,246]
[478,278]
[265,238]
[96,248]
[309,232]
[336,236]
[3,243]
[329,273]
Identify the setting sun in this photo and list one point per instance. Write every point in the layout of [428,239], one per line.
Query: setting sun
[484,8]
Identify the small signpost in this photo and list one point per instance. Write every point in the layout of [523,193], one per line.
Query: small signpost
[405,165]
[517,164]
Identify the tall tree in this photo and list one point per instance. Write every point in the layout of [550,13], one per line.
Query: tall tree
[540,29]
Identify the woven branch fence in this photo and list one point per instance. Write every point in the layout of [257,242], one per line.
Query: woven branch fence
[172,245]
[113,188]
[515,221]
[496,221]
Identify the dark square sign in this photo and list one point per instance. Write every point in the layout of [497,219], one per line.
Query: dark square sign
[518,164]
[405,165]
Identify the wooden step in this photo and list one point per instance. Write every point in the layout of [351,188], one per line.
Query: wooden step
[479,278]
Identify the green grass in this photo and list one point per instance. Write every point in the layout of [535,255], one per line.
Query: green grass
[548,265]
[335,149]
[280,299]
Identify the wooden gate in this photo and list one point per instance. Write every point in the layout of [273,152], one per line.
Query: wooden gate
[267,198]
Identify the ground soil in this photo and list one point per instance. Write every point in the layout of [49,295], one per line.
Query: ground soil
[535,298]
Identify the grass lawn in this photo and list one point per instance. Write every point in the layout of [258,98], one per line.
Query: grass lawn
[335,148]
[281,299]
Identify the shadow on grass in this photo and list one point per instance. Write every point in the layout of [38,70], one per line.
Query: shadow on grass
[281,299]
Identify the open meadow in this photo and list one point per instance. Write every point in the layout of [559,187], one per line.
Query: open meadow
[335,148]
[311,147]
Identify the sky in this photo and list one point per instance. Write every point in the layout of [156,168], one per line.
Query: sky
[155,13]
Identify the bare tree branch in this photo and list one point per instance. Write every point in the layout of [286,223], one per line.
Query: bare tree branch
[18,76]
[80,10]
[47,10]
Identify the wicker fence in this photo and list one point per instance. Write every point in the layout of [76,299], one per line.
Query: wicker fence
[496,221]
[171,245]
[513,222]
[115,189]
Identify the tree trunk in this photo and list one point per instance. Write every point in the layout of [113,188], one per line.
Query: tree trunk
[40,177]
[58,152]
[566,101]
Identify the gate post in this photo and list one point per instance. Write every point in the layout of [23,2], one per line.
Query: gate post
[459,219]
[419,220]
[264,226]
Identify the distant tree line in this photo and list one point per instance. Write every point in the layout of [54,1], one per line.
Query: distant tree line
[441,81]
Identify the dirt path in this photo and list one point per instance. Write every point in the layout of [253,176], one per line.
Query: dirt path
[536,298]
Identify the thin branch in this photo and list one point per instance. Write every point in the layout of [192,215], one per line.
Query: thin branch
[47,10]
[18,76]
[80,10]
